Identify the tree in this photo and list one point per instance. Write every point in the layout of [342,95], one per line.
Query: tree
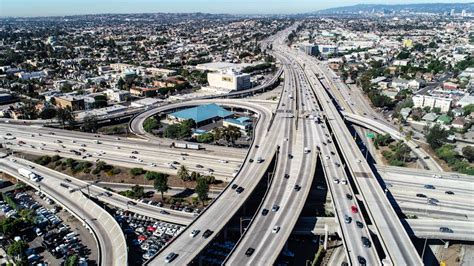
[137,171]
[183,173]
[468,153]
[90,124]
[72,260]
[232,133]
[468,109]
[161,184]
[65,116]
[120,83]
[17,249]
[436,136]
[205,138]
[151,124]
[48,113]
[152,175]
[202,189]
[100,101]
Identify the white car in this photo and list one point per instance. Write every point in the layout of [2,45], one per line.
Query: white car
[223,161]
[194,233]
[275,229]
[327,157]
[335,180]
[344,181]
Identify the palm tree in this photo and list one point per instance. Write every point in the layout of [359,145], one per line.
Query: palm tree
[232,134]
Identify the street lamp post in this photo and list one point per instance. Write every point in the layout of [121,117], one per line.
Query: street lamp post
[241,222]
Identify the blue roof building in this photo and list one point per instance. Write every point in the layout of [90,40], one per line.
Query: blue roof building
[201,114]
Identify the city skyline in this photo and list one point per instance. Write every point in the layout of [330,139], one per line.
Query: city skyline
[31,8]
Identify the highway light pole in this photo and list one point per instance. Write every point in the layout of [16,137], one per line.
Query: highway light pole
[241,222]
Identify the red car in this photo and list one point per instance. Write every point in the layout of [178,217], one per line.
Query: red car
[354,209]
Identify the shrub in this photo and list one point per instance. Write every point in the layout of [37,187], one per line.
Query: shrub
[137,171]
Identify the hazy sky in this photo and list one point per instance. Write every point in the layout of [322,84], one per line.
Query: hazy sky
[75,7]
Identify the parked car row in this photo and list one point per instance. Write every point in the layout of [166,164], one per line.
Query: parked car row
[148,235]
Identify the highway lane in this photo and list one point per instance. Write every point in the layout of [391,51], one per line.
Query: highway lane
[395,241]
[150,157]
[259,236]
[113,248]
[115,199]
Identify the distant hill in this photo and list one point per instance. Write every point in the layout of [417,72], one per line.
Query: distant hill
[431,8]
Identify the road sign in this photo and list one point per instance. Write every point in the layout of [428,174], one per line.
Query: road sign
[370,135]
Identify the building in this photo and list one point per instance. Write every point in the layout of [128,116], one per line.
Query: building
[117,95]
[466,100]
[229,80]
[243,123]
[72,102]
[202,114]
[407,43]
[144,92]
[326,49]
[309,49]
[421,101]
[145,102]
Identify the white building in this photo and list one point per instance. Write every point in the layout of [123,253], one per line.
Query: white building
[327,49]
[421,101]
[229,80]
[117,95]
[466,100]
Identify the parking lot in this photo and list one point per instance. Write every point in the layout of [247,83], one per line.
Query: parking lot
[145,235]
[52,234]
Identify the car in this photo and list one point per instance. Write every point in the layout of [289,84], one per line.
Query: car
[287,176]
[449,192]
[327,157]
[256,146]
[361,260]
[429,186]
[239,190]
[297,188]
[199,166]
[275,229]
[250,160]
[131,203]
[249,252]
[67,180]
[290,156]
[349,196]
[260,160]
[437,176]
[264,212]
[359,224]
[354,209]
[344,181]
[275,208]
[207,233]
[164,212]
[365,242]
[347,219]
[194,233]
[419,195]
[426,157]
[445,230]
[234,186]
[335,180]
[170,257]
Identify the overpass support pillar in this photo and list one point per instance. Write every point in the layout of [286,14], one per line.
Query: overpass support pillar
[325,236]
[225,233]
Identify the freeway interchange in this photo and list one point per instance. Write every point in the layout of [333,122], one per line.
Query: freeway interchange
[304,128]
